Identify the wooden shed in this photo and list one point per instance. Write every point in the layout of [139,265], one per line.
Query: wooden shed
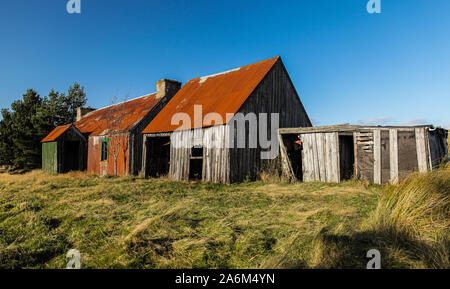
[377,154]
[186,153]
[64,150]
[106,141]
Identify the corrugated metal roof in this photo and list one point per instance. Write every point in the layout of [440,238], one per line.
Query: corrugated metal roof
[98,122]
[54,134]
[131,112]
[220,93]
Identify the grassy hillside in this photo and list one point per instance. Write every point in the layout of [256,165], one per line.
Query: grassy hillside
[136,223]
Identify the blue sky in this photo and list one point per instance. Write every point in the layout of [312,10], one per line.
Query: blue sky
[348,66]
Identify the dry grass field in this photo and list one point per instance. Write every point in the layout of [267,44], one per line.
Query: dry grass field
[135,223]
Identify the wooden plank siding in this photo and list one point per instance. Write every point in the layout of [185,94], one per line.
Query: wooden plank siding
[274,94]
[421,150]
[377,156]
[382,154]
[320,157]
[50,157]
[215,154]
[393,156]
[216,160]
[137,138]
[364,147]
[180,154]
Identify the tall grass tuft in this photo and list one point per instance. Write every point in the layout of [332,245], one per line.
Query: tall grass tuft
[415,214]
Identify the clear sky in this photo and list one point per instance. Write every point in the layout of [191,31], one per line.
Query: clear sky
[348,66]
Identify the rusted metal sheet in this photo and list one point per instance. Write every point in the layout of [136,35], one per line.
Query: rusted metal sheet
[57,132]
[96,122]
[98,167]
[221,93]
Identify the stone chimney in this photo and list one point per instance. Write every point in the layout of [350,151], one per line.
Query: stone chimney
[82,111]
[167,88]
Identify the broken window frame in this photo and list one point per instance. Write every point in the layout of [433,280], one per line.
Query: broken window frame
[104,153]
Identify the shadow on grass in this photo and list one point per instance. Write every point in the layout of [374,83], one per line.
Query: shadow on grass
[398,250]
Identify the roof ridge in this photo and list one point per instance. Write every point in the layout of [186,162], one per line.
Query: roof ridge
[231,70]
[122,102]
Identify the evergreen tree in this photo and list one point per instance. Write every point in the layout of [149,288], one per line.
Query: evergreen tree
[6,142]
[26,140]
[31,119]
[76,97]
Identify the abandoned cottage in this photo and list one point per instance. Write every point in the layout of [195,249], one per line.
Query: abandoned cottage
[106,141]
[186,153]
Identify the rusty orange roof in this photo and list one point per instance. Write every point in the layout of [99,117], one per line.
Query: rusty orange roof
[54,134]
[220,93]
[123,116]
[120,117]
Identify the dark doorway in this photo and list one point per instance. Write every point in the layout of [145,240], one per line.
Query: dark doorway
[346,156]
[71,156]
[196,163]
[294,151]
[158,156]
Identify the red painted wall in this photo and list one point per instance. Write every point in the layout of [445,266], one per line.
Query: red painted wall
[95,166]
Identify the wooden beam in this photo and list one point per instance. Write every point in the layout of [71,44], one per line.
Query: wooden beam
[393,149]
[377,156]
[338,158]
[285,162]
[421,150]
[144,156]
[332,151]
[355,149]
[307,158]
[315,157]
[320,140]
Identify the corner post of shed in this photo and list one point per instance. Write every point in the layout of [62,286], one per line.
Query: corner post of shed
[144,156]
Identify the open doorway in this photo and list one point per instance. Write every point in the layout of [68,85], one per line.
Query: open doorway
[158,156]
[294,151]
[71,156]
[196,163]
[346,156]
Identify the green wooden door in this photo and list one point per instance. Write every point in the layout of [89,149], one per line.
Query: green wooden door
[50,157]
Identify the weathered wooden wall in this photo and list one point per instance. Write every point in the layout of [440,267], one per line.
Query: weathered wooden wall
[385,153]
[399,151]
[137,138]
[382,154]
[54,154]
[364,154]
[407,153]
[320,157]
[215,154]
[63,151]
[437,146]
[180,154]
[216,158]
[275,94]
